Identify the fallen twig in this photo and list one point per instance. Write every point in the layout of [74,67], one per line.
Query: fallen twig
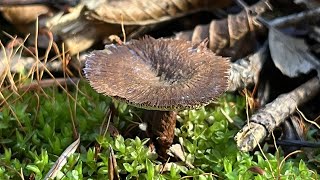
[273,114]
[49,82]
[246,71]
[293,18]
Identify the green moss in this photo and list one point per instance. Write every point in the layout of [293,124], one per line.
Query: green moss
[37,126]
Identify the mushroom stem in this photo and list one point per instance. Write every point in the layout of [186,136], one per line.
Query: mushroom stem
[161,125]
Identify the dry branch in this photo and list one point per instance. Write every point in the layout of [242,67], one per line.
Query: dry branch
[266,119]
[245,71]
[293,18]
[48,83]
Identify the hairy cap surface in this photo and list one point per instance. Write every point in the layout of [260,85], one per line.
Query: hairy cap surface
[160,74]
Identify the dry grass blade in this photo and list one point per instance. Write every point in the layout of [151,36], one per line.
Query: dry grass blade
[6,59]
[62,160]
[306,119]
[112,166]
[283,161]
[38,67]
[211,175]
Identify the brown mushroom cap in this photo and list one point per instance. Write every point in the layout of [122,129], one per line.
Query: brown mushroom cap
[159,74]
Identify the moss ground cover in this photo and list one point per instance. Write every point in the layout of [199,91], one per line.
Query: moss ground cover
[37,126]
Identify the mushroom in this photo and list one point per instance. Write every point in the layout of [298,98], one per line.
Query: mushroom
[160,75]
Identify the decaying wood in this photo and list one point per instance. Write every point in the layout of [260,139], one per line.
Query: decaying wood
[161,125]
[266,119]
[144,12]
[234,36]
[245,71]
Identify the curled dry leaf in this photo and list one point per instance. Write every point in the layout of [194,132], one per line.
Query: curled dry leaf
[233,36]
[291,55]
[144,12]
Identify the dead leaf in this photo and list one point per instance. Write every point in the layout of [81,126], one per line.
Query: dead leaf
[233,36]
[145,12]
[177,150]
[24,14]
[291,55]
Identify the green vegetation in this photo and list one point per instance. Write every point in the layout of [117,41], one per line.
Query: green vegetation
[36,126]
